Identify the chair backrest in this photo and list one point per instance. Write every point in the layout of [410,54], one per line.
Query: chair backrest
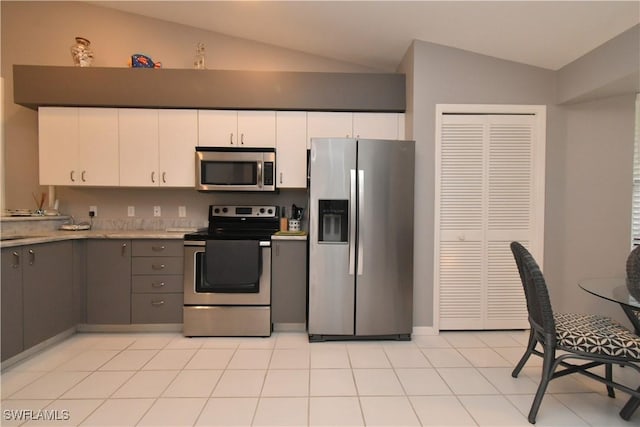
[535,291]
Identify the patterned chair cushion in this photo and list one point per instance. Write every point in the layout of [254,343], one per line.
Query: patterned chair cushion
[596,335]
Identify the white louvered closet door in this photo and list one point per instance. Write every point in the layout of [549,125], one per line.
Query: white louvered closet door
[487,198]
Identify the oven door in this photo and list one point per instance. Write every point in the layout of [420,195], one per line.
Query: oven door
[194,258]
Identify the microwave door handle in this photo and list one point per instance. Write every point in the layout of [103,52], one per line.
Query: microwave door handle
[259,174]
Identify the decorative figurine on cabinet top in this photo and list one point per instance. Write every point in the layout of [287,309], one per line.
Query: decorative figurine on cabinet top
[143,61]
[82,53]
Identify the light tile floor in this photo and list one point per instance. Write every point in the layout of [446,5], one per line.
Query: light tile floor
[144,379]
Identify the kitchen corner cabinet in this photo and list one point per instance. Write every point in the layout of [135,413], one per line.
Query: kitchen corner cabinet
[37,294]
[156,281]
[291,149]
[225,128]
[78,146]
[377,125]
[109,281]
[157,147]
[289,281]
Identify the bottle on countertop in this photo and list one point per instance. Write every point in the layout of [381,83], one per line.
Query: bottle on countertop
[284,222]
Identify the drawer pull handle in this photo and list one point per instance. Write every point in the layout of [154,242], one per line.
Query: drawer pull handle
[16,260]
[157,266]
[157,303]
[158,285]
[158,248]
[32,257]
[124,249]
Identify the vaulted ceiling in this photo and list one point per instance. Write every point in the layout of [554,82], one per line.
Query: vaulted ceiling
[547,34]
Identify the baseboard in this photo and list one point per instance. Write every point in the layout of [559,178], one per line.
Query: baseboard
[138,327]
[424,330]
[37,348]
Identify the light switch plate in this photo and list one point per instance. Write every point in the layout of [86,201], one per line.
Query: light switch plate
[157,211]
[182,211]
[131,211]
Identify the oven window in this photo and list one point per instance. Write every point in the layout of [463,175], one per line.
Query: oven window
[203,286]
[229,173]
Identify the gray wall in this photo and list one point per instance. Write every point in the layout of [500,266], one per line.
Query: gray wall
[443,75]
[588,168]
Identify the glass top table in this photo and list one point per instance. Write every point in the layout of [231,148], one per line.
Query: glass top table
[615,289]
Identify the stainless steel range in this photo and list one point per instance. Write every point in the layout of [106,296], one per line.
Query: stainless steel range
[227,273]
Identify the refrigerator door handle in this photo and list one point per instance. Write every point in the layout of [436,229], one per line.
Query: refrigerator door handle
[360,262]
[352,223]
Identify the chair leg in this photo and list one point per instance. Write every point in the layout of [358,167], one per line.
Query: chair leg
[530,346]
[548,366]
[609,374]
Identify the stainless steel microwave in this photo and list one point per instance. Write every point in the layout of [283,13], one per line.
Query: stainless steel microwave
[235,169]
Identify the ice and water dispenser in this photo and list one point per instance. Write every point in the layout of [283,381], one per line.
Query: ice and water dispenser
[333,221]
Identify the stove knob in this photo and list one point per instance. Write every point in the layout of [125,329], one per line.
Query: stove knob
[270,211]
[216,210]
[225,210]
[261,210]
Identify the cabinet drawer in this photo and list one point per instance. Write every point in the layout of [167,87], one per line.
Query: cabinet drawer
[154,247]
[150,283]
[156,265]
[156,308]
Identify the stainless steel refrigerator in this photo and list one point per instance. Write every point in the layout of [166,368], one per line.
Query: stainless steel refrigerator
[361,238]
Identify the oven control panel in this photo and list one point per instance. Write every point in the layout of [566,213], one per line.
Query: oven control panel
[244,211]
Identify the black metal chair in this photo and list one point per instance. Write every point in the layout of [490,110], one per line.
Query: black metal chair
[596,340]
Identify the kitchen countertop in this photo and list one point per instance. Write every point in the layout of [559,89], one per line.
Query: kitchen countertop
[60,235]
[32,238]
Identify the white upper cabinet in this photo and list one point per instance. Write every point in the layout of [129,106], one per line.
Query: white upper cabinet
[291,149]
[329,125]
[178,138]
[157,147]
[78,146]
[222,128]
[375,125]
[139,147]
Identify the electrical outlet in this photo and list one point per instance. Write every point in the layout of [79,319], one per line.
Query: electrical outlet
[182,211]
[93,211]
[157,211]
[131,211]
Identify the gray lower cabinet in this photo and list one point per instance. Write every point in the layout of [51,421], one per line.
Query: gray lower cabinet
[37,294]
[157,271]
[11,300]
[289,281]
[108,281]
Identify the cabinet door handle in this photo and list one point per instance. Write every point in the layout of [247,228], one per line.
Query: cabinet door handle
[242,139]
[153,177]
[157,285]
[157,303]
[157,266]
[280,177]
[158,248]
[124,249]
[32,257]
[164,177]
[73,179]
[231,138]
[16,260]
[82,176]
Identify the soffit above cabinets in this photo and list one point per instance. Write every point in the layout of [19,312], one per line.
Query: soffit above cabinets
[36,86]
